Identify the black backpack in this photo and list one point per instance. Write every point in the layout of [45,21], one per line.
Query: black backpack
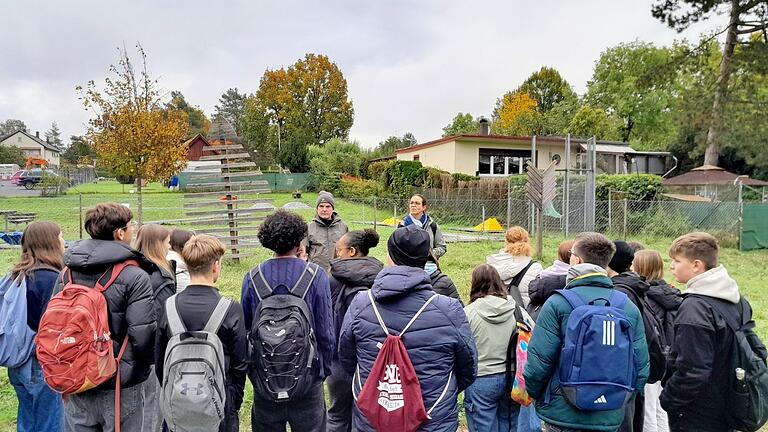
[746,400]
[655,337]
[283,340]
[514,285]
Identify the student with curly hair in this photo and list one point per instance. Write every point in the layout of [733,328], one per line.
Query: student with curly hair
[282,233]
[514,262]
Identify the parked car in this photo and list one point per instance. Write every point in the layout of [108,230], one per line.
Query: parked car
[34,176]
[16,176]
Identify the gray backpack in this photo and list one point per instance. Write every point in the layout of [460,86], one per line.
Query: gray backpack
[193,391]
[283,341]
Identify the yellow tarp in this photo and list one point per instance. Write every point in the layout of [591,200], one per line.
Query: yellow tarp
[491,224]
[390,222]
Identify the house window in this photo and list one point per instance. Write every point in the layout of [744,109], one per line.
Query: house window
[415,157]
[500,162]
[18,138]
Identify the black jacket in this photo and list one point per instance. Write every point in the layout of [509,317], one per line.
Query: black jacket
[163,287]
[129,302]
[442,284]
[633,286]
[348,277]
[700,364]
[195,305]
[664,301]
[540,289]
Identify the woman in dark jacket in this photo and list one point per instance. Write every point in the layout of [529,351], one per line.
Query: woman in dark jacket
[439,342]
[154,241]
[550,279]
[42,249]
[441,283]
[353,271]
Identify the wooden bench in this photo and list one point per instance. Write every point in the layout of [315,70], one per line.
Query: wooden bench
[19,218]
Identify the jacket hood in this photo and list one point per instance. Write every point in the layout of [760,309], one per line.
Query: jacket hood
[632,281]
[666,296]
[495,310]
[715,283]
[97,254]
[515,264]
[398,281]
[174,256]
[558,268]
[360,271]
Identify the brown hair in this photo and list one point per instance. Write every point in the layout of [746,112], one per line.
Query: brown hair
[486,281]
[180,237]
[564,251]
[518,242]
[149,241]
[200,252]
[636,246]
[39,246]
[102,220]
[697,246]
[594,248]
[648,264]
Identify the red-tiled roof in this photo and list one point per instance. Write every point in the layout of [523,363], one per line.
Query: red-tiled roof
[710,175]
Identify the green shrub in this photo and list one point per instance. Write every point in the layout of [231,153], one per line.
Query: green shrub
[634,187]
[51,185]
[359,188]
[379,171]
[457,177]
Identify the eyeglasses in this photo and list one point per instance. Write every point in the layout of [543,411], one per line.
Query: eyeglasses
[131,224]
[573,253]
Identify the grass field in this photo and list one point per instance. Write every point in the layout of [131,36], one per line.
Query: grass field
[750,269]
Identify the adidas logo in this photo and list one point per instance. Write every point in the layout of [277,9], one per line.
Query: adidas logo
[601,400]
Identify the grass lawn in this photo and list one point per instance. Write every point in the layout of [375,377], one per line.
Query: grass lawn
[748,268]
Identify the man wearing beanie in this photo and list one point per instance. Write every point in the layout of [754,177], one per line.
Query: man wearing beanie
[323,231]
[439,342]
[628,282]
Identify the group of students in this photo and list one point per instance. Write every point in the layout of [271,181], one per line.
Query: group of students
[393,342]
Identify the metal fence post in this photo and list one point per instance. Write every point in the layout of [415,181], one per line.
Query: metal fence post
[609,213]
[509,201]
[374,214]
[625,218]
[80,197]
[483,220]
[394,217]
[567,194]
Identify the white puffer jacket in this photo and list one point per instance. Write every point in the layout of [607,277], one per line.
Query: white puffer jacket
[509,266]
[182,274]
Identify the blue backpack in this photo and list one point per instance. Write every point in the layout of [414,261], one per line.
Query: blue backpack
[16,338]
[597,363]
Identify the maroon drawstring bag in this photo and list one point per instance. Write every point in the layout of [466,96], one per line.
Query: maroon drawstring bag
[391,397]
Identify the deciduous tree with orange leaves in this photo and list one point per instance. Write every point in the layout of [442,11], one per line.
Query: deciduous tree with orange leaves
[132,131]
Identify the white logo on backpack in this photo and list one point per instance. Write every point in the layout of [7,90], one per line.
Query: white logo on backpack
[601,400]
[391,389]
[609,332]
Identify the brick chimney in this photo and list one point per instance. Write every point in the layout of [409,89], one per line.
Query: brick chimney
[484,126]
[37,134]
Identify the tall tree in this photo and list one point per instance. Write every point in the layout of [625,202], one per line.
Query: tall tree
[53,135]
[133,133]
[10,126]
[232,107]
[11,155]
[635,82]
[548,88]
[515,114]
[595,122]
[462,124]
[387,147]
[305,103]
[745,17]
[79,151]
[197,122]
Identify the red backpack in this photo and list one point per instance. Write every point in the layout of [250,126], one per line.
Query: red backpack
[74,345]
[391,397]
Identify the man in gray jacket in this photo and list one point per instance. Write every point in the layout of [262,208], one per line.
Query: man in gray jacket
[324,230]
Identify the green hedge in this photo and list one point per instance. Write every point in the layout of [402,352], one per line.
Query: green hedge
[359,188]
[634,187]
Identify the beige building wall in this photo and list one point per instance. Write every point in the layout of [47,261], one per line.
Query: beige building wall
[31,148]
[440,156]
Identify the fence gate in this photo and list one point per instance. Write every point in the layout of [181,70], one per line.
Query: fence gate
[754,227]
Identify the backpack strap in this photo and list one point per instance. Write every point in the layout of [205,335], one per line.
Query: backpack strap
[218,315]
[260,285]
[114,273]
[416,315]
[424,306]
[378,315]
[572,298]
[174,319]
[519,277]
[305,280]
[618,299]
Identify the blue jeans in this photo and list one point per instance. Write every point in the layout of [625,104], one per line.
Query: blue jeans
[489,407]
[40,408]
[528,421]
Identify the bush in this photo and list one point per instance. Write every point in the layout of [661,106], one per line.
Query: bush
[51,185]
[457,177]
[634,187]
[406,174]
[378,171]
[359,188]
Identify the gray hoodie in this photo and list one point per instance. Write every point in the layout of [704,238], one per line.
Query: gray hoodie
[714,283]
[492,320]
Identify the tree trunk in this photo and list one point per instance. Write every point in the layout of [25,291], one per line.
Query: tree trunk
[712,153]
[140,209]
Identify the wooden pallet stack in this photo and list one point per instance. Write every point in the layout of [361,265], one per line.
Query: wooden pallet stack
[223,204]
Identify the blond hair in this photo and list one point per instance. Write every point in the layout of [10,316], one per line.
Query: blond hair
[200,252]
[151,241]
[696,246]
[648,264]
[518,242]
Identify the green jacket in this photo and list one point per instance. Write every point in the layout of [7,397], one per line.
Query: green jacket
[541,371]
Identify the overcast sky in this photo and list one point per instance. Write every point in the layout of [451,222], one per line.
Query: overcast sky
[410,65]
